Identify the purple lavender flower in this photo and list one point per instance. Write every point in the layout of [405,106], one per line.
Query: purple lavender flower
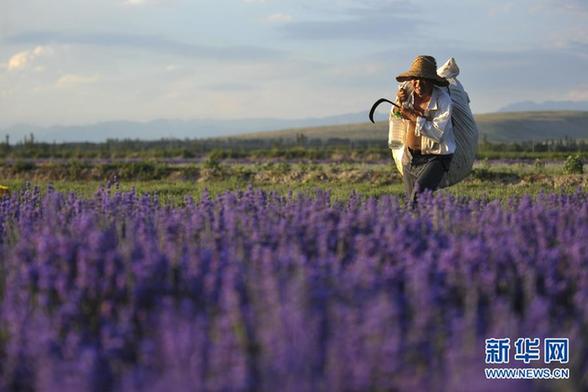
[259,291]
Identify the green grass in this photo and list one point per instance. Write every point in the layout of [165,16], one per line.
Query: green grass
[489,181]
[500,191]
[175,192]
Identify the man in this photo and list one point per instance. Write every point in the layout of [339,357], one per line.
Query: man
[429,142]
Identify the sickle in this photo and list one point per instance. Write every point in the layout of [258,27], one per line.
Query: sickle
[375,105]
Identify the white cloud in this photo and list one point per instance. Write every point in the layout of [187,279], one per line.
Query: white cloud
[70,80]
[497,10]
[18,61]
[21,60]
[255,1]
[571,5]
[279,18]
[579,94]
[136,3]
[150,42]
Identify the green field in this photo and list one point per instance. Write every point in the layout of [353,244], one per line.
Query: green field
[489,179]
[519,153]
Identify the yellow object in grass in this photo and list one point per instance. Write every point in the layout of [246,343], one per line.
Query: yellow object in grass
[4,190]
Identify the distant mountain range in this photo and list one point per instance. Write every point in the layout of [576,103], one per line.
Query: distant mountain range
[496,127]
[503,126]
[530,106]
[176,129]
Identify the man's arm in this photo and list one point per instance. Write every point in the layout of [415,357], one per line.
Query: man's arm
[434,127]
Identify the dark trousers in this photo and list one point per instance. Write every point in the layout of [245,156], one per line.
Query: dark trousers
[423,172]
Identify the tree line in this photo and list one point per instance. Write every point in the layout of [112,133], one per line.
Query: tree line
[300,146]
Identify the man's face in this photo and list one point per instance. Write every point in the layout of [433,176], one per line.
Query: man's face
[422,87]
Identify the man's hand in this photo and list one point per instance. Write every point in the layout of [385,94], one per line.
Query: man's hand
[402,95]
[410,114]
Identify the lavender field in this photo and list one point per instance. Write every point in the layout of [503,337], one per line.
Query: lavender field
[252,290]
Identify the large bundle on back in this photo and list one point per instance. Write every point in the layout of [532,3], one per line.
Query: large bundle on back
[464,128]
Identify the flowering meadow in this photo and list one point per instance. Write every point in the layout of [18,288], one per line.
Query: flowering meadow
[260,291]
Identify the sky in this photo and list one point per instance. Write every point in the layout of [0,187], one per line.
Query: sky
[65,62]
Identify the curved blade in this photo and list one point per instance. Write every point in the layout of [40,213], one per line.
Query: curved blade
[375,105]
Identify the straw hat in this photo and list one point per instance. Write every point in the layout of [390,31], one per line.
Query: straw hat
[423,67]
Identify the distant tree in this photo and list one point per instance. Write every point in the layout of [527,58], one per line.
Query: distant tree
[301,139]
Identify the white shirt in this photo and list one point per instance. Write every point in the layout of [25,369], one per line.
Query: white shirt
[436,129]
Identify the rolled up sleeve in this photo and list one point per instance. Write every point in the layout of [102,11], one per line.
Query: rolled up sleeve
[434,127]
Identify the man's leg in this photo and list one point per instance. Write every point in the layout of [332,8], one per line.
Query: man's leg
[430,175]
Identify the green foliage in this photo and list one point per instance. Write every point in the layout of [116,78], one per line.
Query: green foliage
[213,161]
[284,167]
[24,166]
[76,169]
[539,165]
[300,148]
[485,164]
[190,172]
[486,174]
[137,171]
[187,154]
[573,165]
[173,182]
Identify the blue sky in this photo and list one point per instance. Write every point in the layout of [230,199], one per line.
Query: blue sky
[83,61]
